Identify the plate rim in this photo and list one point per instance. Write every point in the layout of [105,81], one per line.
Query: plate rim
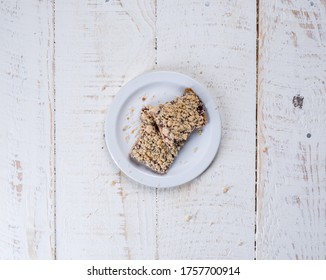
[153,180]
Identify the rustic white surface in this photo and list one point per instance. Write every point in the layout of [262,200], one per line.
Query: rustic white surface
[26,130]
[292,167]
[215,42]
[55,96]
[99,47]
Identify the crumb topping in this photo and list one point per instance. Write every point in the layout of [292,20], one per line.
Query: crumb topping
[165,129]
[150,149]
[178,118]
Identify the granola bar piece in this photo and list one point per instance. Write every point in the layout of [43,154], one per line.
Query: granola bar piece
[178,118]
[150,149]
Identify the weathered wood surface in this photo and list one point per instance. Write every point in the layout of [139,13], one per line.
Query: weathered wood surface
[213,217]
[292,130]
[26,130]
[100,46]
[55,96]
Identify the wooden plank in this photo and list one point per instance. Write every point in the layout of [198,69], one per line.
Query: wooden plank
[26,130]
[100,45]
[215,42]
[291,130]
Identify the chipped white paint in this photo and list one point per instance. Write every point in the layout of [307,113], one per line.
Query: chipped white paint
[292,167]
[99,46]
[100,213]
[26,130]
[214,42]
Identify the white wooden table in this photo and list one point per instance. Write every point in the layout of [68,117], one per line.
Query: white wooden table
[62,63]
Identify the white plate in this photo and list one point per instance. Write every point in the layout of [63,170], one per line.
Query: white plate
[122,126]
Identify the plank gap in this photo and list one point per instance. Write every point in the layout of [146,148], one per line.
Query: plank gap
[156,225]
[256,156]
[155,39]
[54,132]
[156,190]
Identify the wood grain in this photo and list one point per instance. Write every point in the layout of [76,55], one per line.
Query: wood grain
[26,130]
[63,62]
[291,130]
[215,42]
[100,46]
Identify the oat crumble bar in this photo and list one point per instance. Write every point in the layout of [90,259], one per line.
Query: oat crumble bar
[178,118]
[150,148]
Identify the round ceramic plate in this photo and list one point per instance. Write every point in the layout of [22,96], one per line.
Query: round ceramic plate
[123,123]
